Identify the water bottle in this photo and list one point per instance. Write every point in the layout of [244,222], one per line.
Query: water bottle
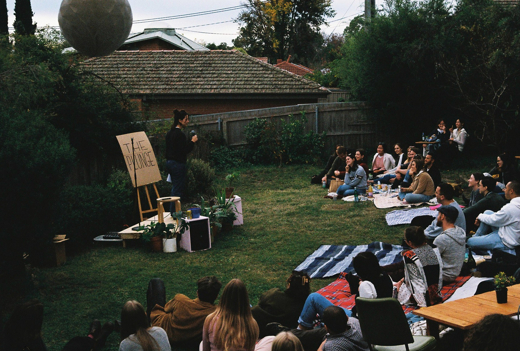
[423,138]
[324,184]
[356,195]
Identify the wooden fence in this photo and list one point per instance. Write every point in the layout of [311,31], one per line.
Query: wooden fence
[347,123]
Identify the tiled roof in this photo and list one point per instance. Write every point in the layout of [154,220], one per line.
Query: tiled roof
[294,68]
[196,72]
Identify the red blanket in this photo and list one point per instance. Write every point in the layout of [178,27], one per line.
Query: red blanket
[338,292]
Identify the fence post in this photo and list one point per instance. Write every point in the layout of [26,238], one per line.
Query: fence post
[316,119]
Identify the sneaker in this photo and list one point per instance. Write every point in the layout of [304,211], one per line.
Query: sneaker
[274,328]
[95,329]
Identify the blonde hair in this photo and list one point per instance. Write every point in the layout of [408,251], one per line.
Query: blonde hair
[286,341]
[233,324]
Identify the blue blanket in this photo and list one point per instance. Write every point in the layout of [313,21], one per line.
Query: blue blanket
[330,260]
[405,216]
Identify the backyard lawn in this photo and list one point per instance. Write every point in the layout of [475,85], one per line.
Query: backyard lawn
[285,219]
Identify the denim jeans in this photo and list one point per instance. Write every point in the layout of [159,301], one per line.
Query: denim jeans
[346,190]
[385,179]
[177,173]
[483,240]
[315,304]
[414,198]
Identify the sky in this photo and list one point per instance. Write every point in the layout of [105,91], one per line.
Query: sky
[46,13]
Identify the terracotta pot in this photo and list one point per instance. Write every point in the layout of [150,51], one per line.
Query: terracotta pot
[229,192]
[157,243]
[501,295]
[214,232]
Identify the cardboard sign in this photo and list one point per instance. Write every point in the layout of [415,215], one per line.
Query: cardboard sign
[145,163]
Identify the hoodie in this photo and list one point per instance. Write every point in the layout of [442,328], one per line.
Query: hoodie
[508,222]
[452,247]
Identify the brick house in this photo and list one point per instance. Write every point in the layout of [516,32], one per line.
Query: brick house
[300,70]
[201,82]
[160,39]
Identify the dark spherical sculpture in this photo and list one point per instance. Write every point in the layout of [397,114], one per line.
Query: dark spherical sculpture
[95,27]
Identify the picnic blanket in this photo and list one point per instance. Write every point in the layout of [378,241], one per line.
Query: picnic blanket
[338,292]
[330,260]
[383,201]
[398,217]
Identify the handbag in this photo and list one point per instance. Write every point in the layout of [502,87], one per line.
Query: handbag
[335,184]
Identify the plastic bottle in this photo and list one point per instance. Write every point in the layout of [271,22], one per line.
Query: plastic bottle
[379,184]
[356,195]
[423,138]
[370,191]
[324,184]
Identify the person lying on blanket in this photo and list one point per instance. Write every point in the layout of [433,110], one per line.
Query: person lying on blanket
[371,283]
[422,280]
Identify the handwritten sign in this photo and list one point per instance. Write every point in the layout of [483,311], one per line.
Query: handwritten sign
[138,151]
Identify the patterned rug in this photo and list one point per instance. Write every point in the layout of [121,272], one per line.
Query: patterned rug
[331,260]
[338,292]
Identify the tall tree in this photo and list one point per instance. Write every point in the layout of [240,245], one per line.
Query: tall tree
[279,28]
[4,27]
[23,23]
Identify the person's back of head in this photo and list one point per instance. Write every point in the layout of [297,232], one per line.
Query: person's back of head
[415,235]
[447,191]
[23,329]
[341,150]
[208,289]
[478,176]
[489,183]
[135,321]
[286,341]
[494,332]
[335,319]
[367,266]
[299,285]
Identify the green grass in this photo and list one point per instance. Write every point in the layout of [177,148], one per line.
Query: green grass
[285,219]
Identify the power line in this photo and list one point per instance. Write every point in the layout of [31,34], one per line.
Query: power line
[207,24]
[187,15]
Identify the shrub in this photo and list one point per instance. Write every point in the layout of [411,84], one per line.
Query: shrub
[224,157]
[199,178]
[262,141]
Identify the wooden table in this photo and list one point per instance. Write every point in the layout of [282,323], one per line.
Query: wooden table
[426,142]
[465,313]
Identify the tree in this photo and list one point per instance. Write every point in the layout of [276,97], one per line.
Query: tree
[221,46]
[23,23]
[279,28]
[4,27]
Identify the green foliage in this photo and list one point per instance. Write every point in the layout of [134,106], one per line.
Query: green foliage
[199,179]
[232,177]
[221,46]
[502,281]
[23,23]
[4,26]
[224,157]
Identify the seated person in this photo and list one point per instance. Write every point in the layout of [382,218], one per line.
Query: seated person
[360,158]
[493,332]
[385,177]
[337,170]
[451,243]
[342,335]
[286,341]
[285,306]
[490,201]
[355,177]
[458,135]
[422,280]
[402,175]
[473,184]
[501,229]
[431,168]
[421,189]
[327,167]
[505,170]
[382,161]
[183,318]
[439,136]
[444,194]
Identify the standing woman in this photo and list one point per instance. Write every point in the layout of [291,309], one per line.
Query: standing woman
[355,176]
[177,149]
[136,333]
[232,326]
[382,161]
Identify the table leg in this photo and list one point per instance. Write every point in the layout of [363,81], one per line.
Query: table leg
[432,328]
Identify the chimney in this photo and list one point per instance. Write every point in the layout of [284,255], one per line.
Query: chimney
[289,59]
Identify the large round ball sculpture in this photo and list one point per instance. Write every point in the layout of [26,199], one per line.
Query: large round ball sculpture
[95,27]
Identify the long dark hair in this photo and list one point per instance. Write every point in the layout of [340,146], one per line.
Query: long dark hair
[367,266]
[178,116]
[299,285]
[355,165]
[134,321]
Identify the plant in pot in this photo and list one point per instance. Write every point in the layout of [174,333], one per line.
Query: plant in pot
[154,233]
[180,226]
[224,210]
[231,178]
[207,211]
[502,281]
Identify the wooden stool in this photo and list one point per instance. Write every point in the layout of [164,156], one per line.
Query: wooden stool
[160,206]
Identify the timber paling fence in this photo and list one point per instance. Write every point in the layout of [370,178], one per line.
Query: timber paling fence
[346,123]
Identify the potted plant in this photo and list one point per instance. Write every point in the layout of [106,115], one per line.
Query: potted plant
[230,178]
[161,236]
[502,281]
[207,211]
[171,237]
[153,233]
[225,210]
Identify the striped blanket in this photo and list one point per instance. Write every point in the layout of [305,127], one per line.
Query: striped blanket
[331,260]
[338,292]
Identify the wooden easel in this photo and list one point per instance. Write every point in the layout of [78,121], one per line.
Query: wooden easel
[150,208]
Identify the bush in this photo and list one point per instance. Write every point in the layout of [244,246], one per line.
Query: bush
[224,157]
[199,178]
[262,141]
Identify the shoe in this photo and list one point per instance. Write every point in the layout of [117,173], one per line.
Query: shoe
[274,328]
[327,197]
[106,330]
[95,328]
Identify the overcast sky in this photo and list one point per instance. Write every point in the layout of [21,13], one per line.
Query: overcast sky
[46,13]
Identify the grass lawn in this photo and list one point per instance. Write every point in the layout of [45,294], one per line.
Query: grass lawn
[285,219]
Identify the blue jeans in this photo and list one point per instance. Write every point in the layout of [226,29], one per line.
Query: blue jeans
[177,173]
[346,190]
[483,240]
[315,304]
[412,198]
[385,179]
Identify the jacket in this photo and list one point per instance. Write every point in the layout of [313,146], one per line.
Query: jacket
[492,201]
[422,184]
[357,178]
[388,161]
[452,247]
[508,222]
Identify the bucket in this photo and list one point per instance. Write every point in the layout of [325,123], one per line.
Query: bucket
[195,212]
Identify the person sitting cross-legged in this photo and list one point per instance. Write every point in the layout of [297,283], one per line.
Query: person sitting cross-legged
[422,188]
[451,243]
[501,229]
[489,201]
[183,318]
[355,177]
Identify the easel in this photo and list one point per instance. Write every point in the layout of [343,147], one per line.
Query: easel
[150,209]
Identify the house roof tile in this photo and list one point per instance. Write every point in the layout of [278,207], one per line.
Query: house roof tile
[196,72]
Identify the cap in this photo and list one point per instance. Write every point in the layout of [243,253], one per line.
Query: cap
[449,211]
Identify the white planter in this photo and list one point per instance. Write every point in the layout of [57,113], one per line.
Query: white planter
[169,245]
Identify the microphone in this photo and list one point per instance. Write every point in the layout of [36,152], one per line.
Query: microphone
[193,132]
